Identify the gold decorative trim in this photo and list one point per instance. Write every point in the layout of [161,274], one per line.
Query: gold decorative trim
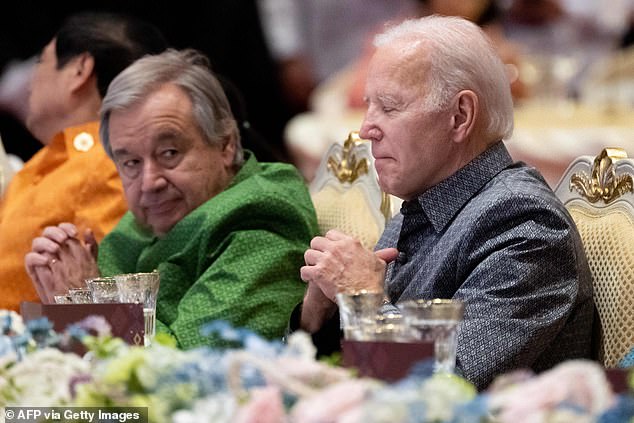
[347,168]
[138,339]
[604,184]
[386,206]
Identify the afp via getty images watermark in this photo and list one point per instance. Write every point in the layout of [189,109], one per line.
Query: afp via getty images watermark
[76,414]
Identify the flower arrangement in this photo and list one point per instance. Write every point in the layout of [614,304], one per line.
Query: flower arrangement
[270,382]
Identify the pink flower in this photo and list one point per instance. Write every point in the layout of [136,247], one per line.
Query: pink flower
[314,373]
[264,406]
[579,383]
[334,402]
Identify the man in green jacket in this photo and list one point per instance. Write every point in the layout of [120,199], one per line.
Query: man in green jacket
[226,233]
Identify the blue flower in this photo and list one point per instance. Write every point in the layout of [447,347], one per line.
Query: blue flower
[6,324]
[76,332]
[622,411]
[628,360]
[474,411]
[6,346]
[41,330]
[225,331]
[36,326]
[205,370]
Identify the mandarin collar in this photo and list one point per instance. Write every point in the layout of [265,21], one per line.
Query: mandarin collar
[248,168]
[77,139]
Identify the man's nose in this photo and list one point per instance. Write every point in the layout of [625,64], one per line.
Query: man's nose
[153,177]
[365,127]
[368,130]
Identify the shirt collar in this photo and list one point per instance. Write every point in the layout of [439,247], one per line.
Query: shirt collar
[77,139]
[443,201]
[248,168]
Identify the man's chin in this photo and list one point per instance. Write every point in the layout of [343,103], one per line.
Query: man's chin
[158,228]
[162,228]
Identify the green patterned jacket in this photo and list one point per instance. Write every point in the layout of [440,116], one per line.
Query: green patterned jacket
[236,257]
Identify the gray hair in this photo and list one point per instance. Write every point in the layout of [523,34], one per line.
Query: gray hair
[187,69]
[461,58]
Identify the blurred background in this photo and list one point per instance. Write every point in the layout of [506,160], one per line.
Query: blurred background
[296,67]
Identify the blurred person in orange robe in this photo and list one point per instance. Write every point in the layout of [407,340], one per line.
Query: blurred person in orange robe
[71,178]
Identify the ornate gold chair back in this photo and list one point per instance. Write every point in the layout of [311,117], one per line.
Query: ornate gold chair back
[599,194]
[346,193]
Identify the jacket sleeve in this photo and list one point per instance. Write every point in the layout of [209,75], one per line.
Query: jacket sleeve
[252,282]
[524,281]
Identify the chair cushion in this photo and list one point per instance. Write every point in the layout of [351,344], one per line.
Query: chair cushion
[608,238]
[348,212]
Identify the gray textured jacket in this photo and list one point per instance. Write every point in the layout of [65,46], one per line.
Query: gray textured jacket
[495,235]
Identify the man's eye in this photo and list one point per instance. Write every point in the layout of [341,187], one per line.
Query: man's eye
[168,154]
[130,163]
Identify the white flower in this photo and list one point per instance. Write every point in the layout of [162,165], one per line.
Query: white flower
[219,408]
[300,345]
[42,378]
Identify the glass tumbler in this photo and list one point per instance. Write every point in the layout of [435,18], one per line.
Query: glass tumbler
[104,290]
[63,299]
[80,295]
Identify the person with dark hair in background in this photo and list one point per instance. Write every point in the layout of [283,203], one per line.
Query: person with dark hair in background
[228,32]
[70,178]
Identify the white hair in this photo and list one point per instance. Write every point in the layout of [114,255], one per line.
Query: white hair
[461,57]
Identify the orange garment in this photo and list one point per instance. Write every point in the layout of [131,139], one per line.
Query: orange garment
[70,180]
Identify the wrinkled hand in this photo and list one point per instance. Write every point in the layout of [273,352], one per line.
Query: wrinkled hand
[338,263]
[59,260]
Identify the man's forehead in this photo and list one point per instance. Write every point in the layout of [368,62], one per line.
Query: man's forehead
[406,67]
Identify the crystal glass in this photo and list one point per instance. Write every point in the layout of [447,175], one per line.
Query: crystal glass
[141,288]
[358,312]
[63,299]
[390,327]
[80,295]
[437,321]
[104,290]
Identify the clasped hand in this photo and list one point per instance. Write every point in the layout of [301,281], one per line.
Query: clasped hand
[337,262]
[60,260]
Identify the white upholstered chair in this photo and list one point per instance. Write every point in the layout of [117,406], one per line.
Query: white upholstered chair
[599,194]
[346,193]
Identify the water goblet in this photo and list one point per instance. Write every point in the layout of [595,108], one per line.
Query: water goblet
[437,321]
[141,288]
[358,312]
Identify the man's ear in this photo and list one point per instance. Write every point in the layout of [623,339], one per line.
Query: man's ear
[81,70]
[465,113]
[229,151]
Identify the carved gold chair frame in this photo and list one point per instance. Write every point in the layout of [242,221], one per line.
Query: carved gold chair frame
[347,169]
[599,194]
